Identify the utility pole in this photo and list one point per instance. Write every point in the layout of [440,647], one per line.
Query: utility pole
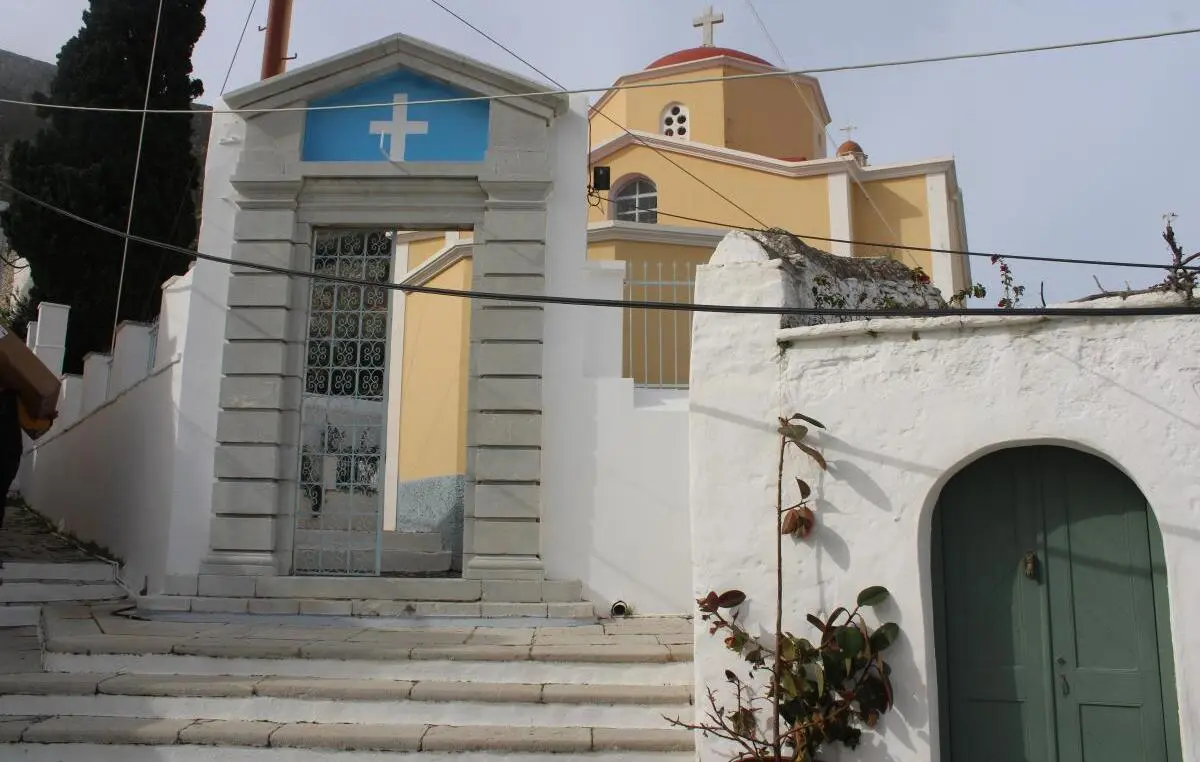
[279,27]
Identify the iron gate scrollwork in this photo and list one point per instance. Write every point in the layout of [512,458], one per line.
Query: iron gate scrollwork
[339,519]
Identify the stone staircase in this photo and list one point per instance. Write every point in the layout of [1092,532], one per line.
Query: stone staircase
[26,586]
[371,597]
[402,552]
[120,689]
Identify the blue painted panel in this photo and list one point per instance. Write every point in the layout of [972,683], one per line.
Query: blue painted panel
[440,132]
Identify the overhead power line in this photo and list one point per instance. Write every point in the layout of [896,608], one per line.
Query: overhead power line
[643,85]
[1075,312]
[930,249]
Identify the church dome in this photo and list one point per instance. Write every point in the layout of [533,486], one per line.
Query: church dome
[701,53]
[849,148]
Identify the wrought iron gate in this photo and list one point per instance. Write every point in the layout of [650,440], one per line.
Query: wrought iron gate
[343,419]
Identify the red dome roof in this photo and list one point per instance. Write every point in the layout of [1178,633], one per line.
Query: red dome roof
[701,53]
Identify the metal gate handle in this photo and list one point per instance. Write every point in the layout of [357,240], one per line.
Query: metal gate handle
[1066,688]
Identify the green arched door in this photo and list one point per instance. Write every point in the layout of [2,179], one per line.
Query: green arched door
[1052,628]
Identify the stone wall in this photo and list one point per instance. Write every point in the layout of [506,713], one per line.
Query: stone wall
[821,279]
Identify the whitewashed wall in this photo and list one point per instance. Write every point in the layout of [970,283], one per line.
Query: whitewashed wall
[907,404]
[129,463]
[615,508]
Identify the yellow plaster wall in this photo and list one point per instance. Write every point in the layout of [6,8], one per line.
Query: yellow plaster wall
[641,108]
[800,204]
[770,117]
[656,345]
[433,396]
[904,204]
[421,251]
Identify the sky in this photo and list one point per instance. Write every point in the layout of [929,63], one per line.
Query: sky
[1076,153]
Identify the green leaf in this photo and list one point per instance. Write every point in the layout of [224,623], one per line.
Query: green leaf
[731,598]
[851,641]
[806,419]
[805,490]
[787,649]
[787,685]
[873,596]
[885,636]
[815,455]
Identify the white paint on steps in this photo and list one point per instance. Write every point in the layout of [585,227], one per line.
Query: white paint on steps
[284,710]
[97,753]
[572,673]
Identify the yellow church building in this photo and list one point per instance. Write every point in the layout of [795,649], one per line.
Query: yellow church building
[704,116]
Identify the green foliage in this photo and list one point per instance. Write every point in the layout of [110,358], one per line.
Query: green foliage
[84,161]
[819,692]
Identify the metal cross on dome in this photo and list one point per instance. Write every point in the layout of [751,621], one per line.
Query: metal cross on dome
[707,21]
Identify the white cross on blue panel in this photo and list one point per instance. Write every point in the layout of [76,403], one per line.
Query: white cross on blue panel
[404,131]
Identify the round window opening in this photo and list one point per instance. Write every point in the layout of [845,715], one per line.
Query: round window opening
[674,122]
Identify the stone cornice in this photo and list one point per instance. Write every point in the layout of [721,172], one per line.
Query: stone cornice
[332,74]
[438,264]
[616,230]
[813,168]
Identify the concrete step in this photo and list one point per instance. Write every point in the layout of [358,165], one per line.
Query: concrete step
[422,542]
[29,571]
[343,701]
[96,640]
[415,561]
[20,614]
[117,689]
[51,592]
[376,597]
[106,738]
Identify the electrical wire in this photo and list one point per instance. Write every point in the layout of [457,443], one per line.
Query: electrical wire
[817,122]
[137,168]
[929,249]
[1077,312]
[643,85]
[612,121]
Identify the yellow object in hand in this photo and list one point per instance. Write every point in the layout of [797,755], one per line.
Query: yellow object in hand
[32,426]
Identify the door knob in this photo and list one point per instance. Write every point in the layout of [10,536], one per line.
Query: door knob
[1066,688]
[1029,564]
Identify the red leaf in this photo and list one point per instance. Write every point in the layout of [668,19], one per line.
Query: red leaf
[815,455]
[731,598]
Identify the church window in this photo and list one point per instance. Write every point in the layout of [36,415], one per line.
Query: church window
[676,121]
[637,201]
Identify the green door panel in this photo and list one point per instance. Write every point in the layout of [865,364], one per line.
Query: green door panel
[1063,666]
[1104,641]
[995,626]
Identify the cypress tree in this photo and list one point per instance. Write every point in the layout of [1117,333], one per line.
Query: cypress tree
[84,162]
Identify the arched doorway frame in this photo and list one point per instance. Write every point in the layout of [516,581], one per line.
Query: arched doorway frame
[933,615]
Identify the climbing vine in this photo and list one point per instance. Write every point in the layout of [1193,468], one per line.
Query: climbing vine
[799,695]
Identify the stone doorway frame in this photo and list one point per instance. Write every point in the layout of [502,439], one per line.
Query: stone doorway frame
[281,200]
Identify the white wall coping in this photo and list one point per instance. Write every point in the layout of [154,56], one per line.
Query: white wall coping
[55,433]
[874,327]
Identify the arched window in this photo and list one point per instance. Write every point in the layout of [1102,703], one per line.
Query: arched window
[675,121]
[636,201]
